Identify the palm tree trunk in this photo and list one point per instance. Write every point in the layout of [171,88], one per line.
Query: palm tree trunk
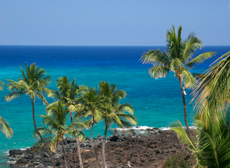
[79,153]
[103,146]
[91,139]
[91,136]
[63,150]
[185,110]
[71,117]
[35,126]
[78,145]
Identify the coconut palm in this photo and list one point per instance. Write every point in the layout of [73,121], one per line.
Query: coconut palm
[57,128]
[113,111]
[5,128]
[178,59]
[33,83]
[213,87]
[212,147]
[67,93]
[90,108]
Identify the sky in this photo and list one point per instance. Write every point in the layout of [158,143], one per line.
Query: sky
[111,22]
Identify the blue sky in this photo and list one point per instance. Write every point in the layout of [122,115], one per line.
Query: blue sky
[111,22]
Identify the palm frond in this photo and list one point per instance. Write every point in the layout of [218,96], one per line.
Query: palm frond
[178,128]
[189,79]
[159,71]
[43,131]
[200,58]
[5,128]
[1,85]
[128,117]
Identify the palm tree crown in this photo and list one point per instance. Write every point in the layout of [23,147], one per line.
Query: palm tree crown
[67,93]
[177,58]
[113,111]
[33,83]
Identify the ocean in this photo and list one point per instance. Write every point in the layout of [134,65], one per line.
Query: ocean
[157,103]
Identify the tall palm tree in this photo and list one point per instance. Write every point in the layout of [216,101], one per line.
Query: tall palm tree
[113,111]
[178,59]
[67,93]
[56,127]
[34,83]
[90,108]
[5,128]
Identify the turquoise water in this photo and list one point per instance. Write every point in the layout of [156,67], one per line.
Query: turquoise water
[157,103]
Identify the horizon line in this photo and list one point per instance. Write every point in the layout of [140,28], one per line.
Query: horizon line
[108,45]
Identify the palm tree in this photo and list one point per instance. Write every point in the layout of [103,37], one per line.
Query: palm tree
[113,111]
[67,93]
[5,128]
[56,127]
[178,59]
[33,83]
[213,87]
[212,147]
[90,108]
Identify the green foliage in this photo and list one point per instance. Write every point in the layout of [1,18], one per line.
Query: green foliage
[113,111]
[213,87]
[1,85]
[56,127]
[90,105]
[5,128]
[212,148]
[180,160]
[67,91]
[177,58]
[33,83]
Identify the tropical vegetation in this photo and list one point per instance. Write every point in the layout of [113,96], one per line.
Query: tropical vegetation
[67,93]
[56,127]
[114,112]
[76,108]
[90,107]
[33,83]
[5,128]
[4,125]
[212,145]
[177,58]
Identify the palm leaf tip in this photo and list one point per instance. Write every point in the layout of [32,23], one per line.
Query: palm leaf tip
[5,128]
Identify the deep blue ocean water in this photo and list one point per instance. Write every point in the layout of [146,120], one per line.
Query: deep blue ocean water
[156,103]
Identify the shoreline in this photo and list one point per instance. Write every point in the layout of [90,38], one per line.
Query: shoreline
[26,157]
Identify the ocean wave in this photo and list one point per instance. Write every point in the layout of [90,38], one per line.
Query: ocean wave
[24,148]
[143,128]
[11,162]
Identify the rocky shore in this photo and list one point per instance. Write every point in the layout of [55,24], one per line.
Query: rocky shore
[151,149]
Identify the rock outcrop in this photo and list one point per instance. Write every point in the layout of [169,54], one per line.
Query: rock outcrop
[122,151]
